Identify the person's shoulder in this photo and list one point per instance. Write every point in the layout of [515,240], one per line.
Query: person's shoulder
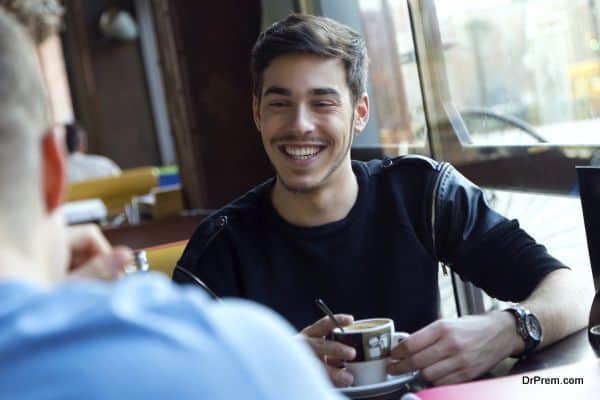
[102,162]
[152,288]
[241,216]
[139,292]
[270,361]
[243,210]
[410,166]
[265,343]
[255,318]
[89,166]
[401,163]
[130,326]
[148,302]
[81,305]
[232,332]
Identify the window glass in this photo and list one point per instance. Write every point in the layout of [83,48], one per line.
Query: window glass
[564,238]
[394,76]
[524,71]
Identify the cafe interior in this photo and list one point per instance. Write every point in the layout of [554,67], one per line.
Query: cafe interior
[507,91]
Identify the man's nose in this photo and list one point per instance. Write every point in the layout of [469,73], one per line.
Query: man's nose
[302,120]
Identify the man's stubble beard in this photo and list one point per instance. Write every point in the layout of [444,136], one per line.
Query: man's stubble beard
[332,170]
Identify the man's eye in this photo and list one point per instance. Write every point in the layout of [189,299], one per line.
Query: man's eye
[277,104]
[324,104]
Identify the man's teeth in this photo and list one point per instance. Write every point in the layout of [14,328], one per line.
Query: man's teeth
[301,152]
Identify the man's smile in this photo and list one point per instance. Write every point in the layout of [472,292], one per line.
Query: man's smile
[301,152]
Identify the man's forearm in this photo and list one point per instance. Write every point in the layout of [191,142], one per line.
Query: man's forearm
[561,302]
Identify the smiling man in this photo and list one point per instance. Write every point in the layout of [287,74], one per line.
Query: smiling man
[367,237]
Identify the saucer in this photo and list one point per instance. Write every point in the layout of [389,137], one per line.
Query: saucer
[392,384]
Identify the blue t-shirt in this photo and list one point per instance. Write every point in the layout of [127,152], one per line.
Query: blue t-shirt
[144,338]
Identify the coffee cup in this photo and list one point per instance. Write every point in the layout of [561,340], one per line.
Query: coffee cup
[594,337]
[373,340]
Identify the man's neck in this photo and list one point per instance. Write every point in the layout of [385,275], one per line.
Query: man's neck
[15,266]
[24,253]
[328,204]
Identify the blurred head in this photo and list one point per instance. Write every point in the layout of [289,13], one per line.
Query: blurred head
[75,138]
[309,100]
[312,35]
[31,159]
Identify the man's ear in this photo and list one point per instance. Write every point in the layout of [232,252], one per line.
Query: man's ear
[256,111]
[361,110]
[53,169]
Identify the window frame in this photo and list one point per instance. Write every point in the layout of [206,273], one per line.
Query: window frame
[540,167]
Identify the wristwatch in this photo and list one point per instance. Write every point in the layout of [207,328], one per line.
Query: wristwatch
[528,327]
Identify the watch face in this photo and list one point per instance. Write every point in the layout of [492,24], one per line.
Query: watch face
[533,327]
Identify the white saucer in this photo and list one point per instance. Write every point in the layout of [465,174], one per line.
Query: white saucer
[393,383]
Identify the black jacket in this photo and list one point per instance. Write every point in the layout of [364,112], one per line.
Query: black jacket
[426,208]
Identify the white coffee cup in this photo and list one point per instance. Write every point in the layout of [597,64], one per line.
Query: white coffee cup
[373,340]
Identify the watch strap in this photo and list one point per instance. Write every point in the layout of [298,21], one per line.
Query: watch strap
[521,315]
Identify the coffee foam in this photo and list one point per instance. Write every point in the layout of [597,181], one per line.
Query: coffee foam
[364,325]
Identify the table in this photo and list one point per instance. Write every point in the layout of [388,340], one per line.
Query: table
[153,233]
[572,349]
[574,381]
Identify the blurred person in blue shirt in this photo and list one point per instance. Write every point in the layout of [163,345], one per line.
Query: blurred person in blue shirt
[64,337]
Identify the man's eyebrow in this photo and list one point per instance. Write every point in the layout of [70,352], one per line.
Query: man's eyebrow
[321,91]
[277,90]
[325,91]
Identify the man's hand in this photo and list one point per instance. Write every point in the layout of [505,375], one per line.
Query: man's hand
[333,354]
[452,351]
[92,257]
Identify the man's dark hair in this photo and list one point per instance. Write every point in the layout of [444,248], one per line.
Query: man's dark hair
[309,34]
[74,137]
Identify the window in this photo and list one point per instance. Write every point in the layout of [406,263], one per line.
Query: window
[523,71]
[395,85]
[509,91]
[564,238]
[506,90]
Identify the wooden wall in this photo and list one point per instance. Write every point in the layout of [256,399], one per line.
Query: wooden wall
[108,85]
[205,50]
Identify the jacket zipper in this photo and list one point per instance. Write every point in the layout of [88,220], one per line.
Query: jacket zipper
[221,223]
[434,198]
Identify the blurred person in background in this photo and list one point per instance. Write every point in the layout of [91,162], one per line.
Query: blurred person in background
[82,166]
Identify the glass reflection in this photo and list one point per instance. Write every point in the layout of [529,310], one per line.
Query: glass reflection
[524,71]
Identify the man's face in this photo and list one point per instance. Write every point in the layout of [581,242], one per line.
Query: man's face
[306,119]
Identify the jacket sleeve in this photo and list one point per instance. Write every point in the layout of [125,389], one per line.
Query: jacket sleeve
[482,246]
[210,257]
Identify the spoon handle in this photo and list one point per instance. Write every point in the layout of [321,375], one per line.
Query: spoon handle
[321,304]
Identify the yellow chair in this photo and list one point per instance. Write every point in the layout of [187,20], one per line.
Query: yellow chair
[116,191]
[163,257]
